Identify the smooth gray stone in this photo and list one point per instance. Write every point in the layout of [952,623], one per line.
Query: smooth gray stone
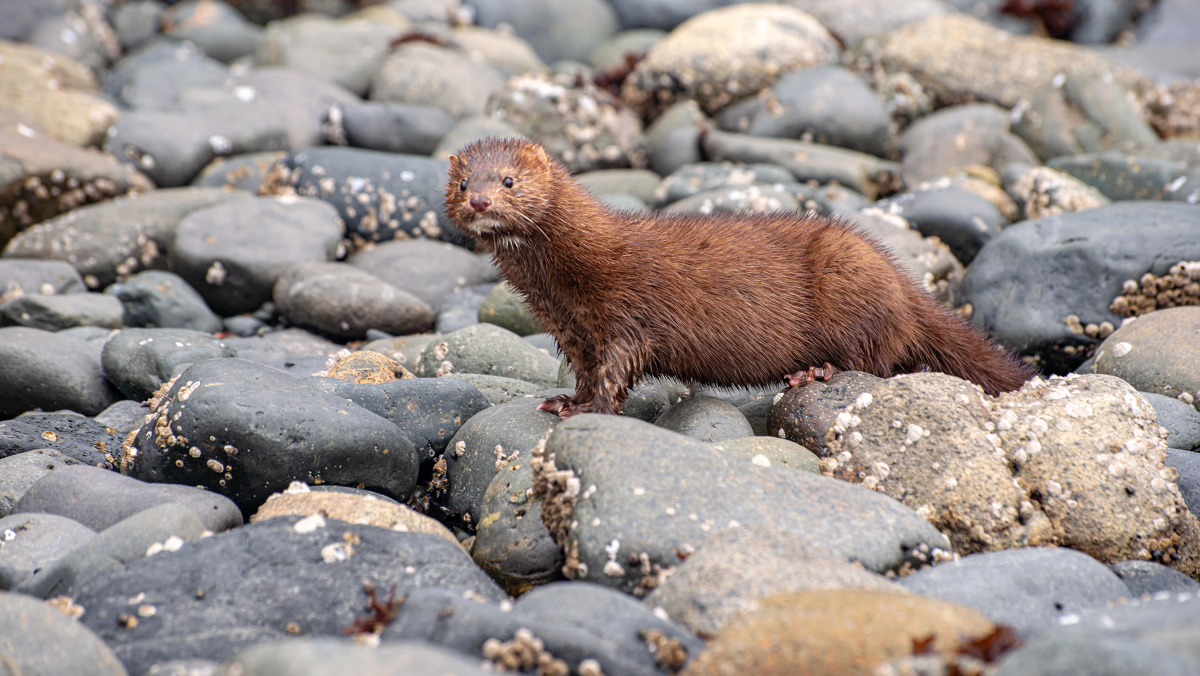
[511,543]
[34,638]
[19,276]
[99,498]
[123,416]
[161,299]
[1093,656]
[43,370]
[644,484]
[34,541]
[1181,420]
[428,270]
[491,350]
[1187,463]
[344,301]
[77,436]
[960,218]
[329,656]
[1027,589]
[139,361]
[705,418]
[395,127]
[1149,577]
[19,472]
[55,313]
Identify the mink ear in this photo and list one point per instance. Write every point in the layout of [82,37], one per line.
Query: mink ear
[455,163]
[536,154]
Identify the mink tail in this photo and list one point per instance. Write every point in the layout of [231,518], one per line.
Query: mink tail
[954,348]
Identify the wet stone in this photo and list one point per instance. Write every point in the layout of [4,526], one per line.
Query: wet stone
[344,301]
[511,543]
[245,586]
[333,655]
[220,251]
[657,503]
[379,196]
[853,21]
[21,277]
[960,218]
[425,74]
[1026,589]
[1094,655]
[33,541]
[75,436]
[487,444]
[315,44]
[154,76]
[43,370]
[404,349]
[430,411]
[505,308]
[1147,577]
[639,183]
[220,30]
[99,498]
[765,450]
[405,128]
[556,29]
[460,308]
[958,137]
[19,472]
[161,299]
[245,171]
[805,414]
[754,198]
[139,361]
[1156,353]
[497,389]
[352,505]
[1181,420]
[705,418]
[491,350]
[826,104]
[1075,255]
[1121,176]
[32,636]
[54,313]
[123,416]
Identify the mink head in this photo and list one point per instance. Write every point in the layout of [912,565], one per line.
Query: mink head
[500,188]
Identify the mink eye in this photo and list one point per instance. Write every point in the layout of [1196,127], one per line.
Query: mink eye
[463,185]
[508,182]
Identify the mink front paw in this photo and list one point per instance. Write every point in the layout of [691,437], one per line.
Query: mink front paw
[564,406]
[810,374]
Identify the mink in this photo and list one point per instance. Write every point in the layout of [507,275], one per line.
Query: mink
[733,300]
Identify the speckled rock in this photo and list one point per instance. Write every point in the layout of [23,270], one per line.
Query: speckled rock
[705,418]
[586,126]
[425,74]
[364,368]
[958,137]
[315,44]
[1157,353]
[106,242]
[428,270]
[378,196]
[76,436]
[34,637]
[351,505]
[404,349]
[344,301]
[122,416]
[507,309]
[700,177]
[805,414]
[1181,420]
[19,472]
[221,256]
[1085,114]
[201,436]
[54,313]
[727,54]
[1042,191]
[394,127]
[1026,589]
[959,58]
[46,371]
[57,91]
[491,350]
[825,104]
[254,581]
[1060,462]
[1132,176]
[753,198]
[557,29]
[331,656]
[486,444]
[34,541]
[842,632]
[730,572]
[511,542]
[161,299]
[99,498]
[19,277]
[497,389]
[1057,266]
[960,218]
[139,361]
[609,477]
[154,76]
[865,173]
[769,450]
[44,178]
[245,171]
[430,411]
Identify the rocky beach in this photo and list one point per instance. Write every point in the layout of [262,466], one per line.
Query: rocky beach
[264,410]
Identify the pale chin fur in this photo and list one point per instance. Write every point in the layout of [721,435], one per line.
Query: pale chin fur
[484,226]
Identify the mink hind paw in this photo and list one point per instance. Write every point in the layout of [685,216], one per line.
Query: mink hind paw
[810,374]
[564,406]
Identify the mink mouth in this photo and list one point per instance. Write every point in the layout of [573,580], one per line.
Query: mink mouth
[485,226]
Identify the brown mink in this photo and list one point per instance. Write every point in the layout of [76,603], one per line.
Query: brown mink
[730,300]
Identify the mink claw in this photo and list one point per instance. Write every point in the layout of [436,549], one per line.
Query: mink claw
[811,374]
[556,405]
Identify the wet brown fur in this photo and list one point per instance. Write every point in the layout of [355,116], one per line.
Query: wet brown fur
[730,299]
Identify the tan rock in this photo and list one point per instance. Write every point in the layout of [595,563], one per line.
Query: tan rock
[55,90]
[834,632]
[367,368]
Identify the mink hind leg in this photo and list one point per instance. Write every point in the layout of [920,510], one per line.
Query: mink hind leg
[601,384]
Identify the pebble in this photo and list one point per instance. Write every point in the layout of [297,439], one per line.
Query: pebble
[511,543]
[44,632]
[490,350]
[43,370]
[705,418]
[507,309]
[54,313]
[426,74]
[962,219]
[1133,353]
[958,137]
[556,29]
[344,301]
[162,299]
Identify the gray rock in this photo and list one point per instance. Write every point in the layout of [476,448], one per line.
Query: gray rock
[1187,464]
[246,431]
[430,411]
[33,541]
[33,636]
[486,444]
[343,301]
[673,140]
[825,104]
[1181,420]
[99,498]
[123,416]
[470,129]
[332,656]
[960,218]
[155,75]
[428,270]
[557,29]
[1027,589]
[139,361]
[856,20]
[1128,176]
[460,308]
[245,171]
[511,543]
[19,18]
[315,44]
[957,137]
[108,240]
[220,250]
[20,277]
[246,585]
[1095,656]
[54,313]
[612,53]
[507,309]
[157,298]
[395,127]
[378,196]
[1157,353]
[497,389]
[43,370]
[700,177]
[705,418]
[220,30]
[805,414]
[404,349]
[78,437]
[754,198]
[1027,280]
[763,450]
[137,21]
[1147,577]
[424,74]
[19,472]
[491,350]
[640,183]
[634,484]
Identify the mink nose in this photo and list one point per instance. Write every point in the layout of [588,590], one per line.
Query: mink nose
[480,203]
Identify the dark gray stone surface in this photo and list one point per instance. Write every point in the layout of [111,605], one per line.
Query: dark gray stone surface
[42,370]
[139,361]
